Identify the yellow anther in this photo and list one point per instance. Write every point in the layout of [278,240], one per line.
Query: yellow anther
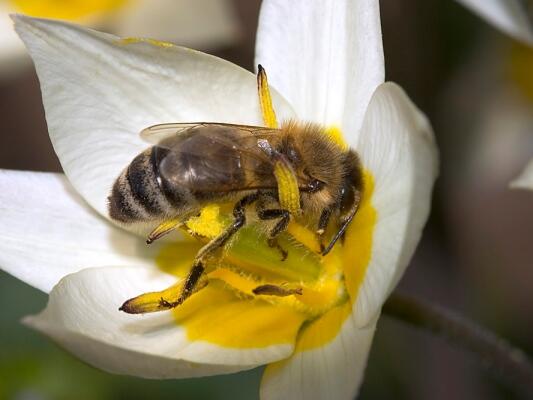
[265,101]
[163,229]
[277,290]
[288,191]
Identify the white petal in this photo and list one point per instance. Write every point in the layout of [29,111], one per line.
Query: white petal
[511,16]
[82,316]
[193,23]
[99,92]
[525,179]
[398,148]
[333,371]
[48,231]
[326,58]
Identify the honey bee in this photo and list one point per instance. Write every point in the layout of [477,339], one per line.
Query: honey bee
[295,171]
[196,164]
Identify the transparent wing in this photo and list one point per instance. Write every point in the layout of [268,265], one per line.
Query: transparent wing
[216,157]
[156,133]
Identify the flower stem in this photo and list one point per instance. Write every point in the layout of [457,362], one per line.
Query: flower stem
[494,353]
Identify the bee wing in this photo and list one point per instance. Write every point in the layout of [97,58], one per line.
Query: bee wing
[156,133]
[216,153]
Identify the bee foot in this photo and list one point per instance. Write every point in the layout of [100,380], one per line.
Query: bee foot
[162,230]
[272,242]
[164,304]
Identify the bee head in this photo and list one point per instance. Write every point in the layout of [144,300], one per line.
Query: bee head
[317,161]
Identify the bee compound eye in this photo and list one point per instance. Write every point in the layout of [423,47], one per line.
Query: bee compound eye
[315,185]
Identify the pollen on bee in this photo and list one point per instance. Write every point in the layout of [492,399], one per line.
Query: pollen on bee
[209,223]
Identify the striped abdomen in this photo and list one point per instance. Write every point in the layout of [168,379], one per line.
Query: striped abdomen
[139,193]
[185,171]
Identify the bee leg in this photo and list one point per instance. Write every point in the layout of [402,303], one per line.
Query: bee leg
[345,221]
[322,225]
[194,234]
[163,229]
[190,283]
[197,269]
[284,218]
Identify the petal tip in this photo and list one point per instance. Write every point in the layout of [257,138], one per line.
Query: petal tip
[29,321]
[21,19]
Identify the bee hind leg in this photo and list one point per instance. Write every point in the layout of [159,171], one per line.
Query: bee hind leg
[198,267]
[284,218]
[191,285]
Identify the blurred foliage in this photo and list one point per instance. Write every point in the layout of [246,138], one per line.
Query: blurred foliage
[33,368]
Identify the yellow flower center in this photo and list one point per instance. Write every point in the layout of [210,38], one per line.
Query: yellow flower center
[304,297]
[63,9]
[238,318]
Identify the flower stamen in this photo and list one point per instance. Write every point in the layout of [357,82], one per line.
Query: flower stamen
[265,100]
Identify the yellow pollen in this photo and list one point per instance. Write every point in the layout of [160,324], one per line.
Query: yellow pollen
[209,223]
[357,249]
[153,42]
[335,134]
[227,313]
[69,10]
[218,316]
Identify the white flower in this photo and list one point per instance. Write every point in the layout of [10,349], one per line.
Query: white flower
[516,19]
[525,179]
[100,91]
[511,16]
[196,23]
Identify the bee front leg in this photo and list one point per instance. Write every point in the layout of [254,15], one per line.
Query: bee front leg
[323,222]
[284,218]
[345,220]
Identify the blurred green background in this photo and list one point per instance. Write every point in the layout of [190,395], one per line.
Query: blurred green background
[475,257]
